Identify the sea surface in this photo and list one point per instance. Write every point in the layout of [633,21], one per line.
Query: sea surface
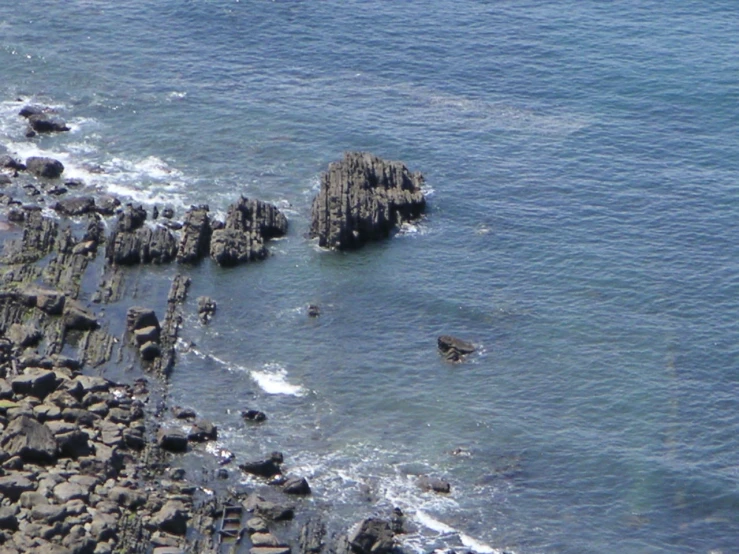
[582,170]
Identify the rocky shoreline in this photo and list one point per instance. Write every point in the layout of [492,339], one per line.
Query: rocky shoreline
[86,464]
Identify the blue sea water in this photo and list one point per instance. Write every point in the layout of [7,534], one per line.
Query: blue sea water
[583,229]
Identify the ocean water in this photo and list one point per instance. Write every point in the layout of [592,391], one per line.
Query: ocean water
[582,161]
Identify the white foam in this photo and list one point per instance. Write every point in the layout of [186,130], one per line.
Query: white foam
[273,380]
[435,525]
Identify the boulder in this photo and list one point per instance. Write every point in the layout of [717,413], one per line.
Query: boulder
[131,218]
[172,518]
[66,491]
[35,382]
[76,206]
[107,205]
[454,349]
[372,536]
[9,162]
[364,198]
[296,486]
[172,440]
[150,350]
[206,309]
[265,539]
[203,430]
[78,318]
[433,484]
[140,318]
[32,441]
[48,514]
[195,237]
[73,444]
[129,498]
[254,415]
[8,519]
[13,485]
[47,168]
[45,122]
[264,468]
[24,335]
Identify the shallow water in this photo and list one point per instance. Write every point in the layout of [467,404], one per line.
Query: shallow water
[581,160]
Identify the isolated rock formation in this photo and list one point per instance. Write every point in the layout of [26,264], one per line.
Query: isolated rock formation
[364,198]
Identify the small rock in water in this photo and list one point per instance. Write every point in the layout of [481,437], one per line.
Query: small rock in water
[254,415]
[206,309]
[314,311]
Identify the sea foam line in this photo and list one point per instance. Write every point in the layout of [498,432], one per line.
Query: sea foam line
[272,379]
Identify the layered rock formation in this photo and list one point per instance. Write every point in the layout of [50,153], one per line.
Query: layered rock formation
[249,223]
[364,198]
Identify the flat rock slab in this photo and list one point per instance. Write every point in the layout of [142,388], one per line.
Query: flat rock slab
[270,550]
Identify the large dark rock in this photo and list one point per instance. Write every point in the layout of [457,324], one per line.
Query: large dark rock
[47,123]
[172,440]
[15,484]
[195,237]
[264,468]
[140,318]
[172,518]
[454,349]
[32,441]
[77,317]
[372,536]
[248,224]
[203,430]
[296,486]
[78,205]
[364,198]
[206,309]
[36,382]
[433,484]
[11,163]
[44,167]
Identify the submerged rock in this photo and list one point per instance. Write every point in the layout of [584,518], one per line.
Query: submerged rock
[364,198]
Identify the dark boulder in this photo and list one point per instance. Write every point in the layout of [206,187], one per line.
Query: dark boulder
[172,518]
[139,318]
[9,162]
[433,484]
[254,415]
[296,486]
[364,198]
[372,536]
[78,205]
[264,468]
[206,309]
[203,430]
[44,167]
[454,349]
[132,218]
[77,317]
[32,441]
[172,440]
[35,382]
[15,484]
[47,123]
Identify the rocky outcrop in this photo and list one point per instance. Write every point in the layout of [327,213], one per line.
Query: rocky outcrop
[364,198]
[372,536]
[433,484]
[47,123]
[195,237]
[454,349]
[206,309]
[248,224]
[47,168]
